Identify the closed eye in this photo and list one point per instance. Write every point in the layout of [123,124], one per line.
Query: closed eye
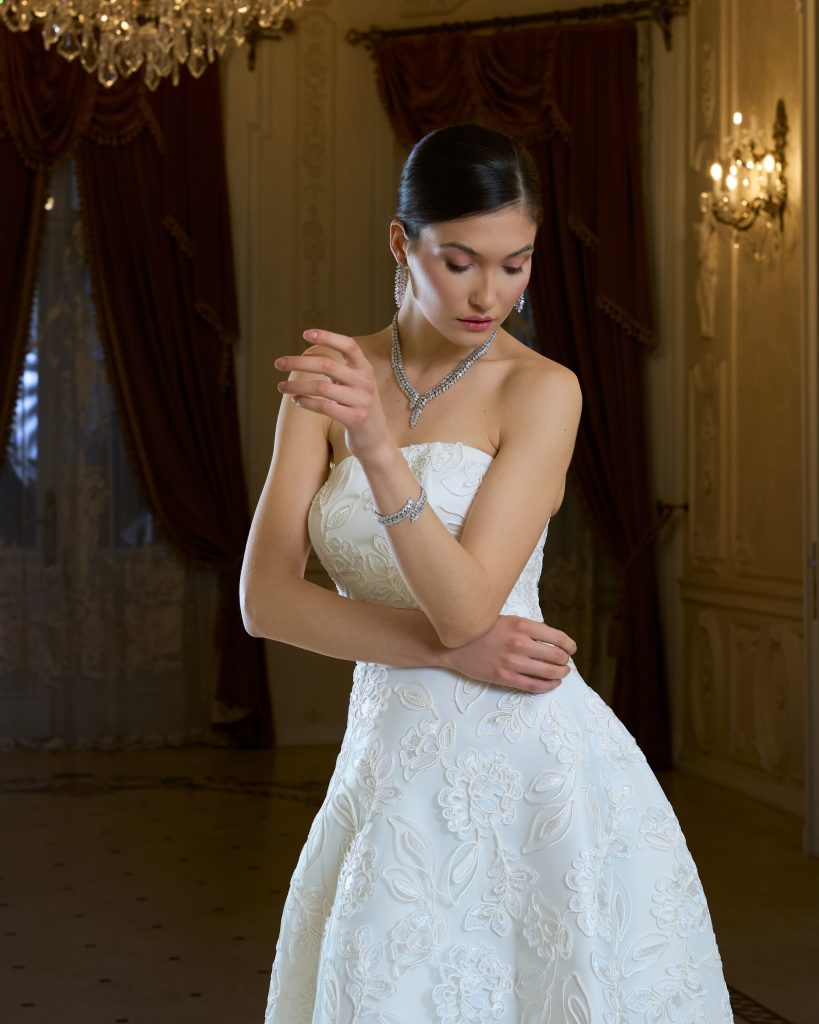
[457,268]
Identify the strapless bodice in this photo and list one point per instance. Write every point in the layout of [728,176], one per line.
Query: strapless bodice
[355,550]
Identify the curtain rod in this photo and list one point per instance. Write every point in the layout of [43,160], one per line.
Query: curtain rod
[660,11]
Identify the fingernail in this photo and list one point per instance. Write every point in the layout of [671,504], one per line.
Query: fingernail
[280,363]
[311,334]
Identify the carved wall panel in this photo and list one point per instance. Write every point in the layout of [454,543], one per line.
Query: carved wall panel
[766,698]
[743,742]
[315,40]
[778,702]
[703,24]
[707,696]
[741,584]
[744,693]
[707,465]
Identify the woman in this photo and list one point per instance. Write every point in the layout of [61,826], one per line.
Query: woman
[492,843]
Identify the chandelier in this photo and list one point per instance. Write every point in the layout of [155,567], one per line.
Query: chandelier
[749,185]
[115,38]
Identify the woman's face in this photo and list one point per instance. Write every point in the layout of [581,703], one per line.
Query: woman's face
[467,274]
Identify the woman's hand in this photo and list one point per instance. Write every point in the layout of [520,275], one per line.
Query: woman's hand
[516,652]
[346,391]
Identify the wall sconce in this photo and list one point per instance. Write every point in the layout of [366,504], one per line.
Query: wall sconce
[749,187]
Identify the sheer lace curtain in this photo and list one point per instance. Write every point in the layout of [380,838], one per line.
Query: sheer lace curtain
[105,632]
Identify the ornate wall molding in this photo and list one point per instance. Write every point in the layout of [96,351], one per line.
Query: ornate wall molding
[765,679]
[744,701]
[707,463]
[315,149]
[777,703]
[707,693]
[707,272]
[704,108]
[765,598]
[708,85]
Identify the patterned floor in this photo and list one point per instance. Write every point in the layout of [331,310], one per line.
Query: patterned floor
[146,887]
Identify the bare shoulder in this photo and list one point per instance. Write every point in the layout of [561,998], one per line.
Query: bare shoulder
[376,347]
[538,391]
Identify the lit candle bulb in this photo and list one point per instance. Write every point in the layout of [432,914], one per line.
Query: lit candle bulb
[716,176]
[737,120]
[731,184]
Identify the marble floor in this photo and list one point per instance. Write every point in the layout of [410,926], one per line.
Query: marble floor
[146,887]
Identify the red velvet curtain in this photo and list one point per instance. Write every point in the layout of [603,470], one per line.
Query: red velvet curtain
[570,94]
[154,204]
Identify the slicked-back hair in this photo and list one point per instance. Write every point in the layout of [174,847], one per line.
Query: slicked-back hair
[464,170]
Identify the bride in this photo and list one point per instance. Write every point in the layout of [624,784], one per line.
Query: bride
[493,844]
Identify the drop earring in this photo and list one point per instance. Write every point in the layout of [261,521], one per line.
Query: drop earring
[401,275]
[520,303]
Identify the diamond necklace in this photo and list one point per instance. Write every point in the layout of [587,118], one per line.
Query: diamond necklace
[416,401]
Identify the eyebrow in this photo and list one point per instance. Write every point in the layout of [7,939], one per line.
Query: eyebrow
[471,252]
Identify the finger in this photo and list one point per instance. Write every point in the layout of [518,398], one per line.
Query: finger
[348,347]
[540,650]
[549,635]
[533,685]
[337,412]
[315,387]
[331,368]
[556,639]
[539,669]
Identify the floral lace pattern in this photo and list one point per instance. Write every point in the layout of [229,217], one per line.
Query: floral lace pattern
[482,853]
[355,549]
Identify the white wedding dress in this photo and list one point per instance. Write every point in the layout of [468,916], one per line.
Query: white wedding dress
[483,853]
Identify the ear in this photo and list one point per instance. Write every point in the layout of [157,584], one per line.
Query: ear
[398,240]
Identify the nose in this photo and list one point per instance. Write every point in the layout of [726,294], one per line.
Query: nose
[483,293]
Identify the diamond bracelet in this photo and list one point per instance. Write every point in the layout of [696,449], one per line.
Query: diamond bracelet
[411,510]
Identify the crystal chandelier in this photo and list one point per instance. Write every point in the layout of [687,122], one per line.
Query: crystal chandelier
[115,38]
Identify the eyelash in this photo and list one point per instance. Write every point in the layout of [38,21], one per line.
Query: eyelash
[456,269]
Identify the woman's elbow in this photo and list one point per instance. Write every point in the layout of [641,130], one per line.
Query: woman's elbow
[459,633]
[264,602]
[250,618]
[256,610]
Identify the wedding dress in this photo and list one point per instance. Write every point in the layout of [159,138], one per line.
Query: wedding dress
[483,853]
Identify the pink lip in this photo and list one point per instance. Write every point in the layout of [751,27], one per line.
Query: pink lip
[473,324]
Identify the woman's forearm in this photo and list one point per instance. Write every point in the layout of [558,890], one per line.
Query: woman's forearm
[449,585]
[309,616]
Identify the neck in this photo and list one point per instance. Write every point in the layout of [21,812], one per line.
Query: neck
[423,348]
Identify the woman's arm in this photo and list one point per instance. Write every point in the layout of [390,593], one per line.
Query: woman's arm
[460,585]
[278,603]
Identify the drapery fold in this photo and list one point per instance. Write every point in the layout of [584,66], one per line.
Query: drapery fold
[570,94]
[157,228]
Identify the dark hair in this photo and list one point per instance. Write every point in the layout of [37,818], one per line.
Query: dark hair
[464,170]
